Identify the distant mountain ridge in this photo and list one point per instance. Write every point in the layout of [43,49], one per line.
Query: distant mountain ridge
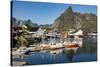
[16,22]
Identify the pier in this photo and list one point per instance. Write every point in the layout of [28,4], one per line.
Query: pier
[18,63]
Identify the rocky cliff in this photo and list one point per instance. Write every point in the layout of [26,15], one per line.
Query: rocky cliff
[74,20]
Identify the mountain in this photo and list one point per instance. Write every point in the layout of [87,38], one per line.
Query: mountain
[73,20]
[16,22]
[45,25]
[30,23]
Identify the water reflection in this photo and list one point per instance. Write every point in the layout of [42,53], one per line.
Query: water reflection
[68,54]
[86,52]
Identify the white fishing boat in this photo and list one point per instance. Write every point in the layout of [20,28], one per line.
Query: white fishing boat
[56,46]
[44,46]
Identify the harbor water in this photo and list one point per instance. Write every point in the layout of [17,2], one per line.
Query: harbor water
[87,52]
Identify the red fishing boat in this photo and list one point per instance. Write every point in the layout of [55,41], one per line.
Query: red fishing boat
[72,45]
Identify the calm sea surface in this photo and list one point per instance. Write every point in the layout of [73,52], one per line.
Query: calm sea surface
[88,52]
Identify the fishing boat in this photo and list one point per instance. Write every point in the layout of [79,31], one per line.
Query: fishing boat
[56,46]
[44,46]
[72,45]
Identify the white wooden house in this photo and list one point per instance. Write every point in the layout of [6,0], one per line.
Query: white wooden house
[77,33]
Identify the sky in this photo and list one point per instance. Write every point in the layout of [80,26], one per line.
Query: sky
[45,13]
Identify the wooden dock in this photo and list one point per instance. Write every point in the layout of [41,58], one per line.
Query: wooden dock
[18,63]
